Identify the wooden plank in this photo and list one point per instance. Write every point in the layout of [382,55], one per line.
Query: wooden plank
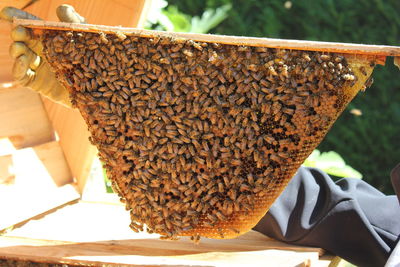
[7,175]
[144,8]
[349,48]
[101,222]
[43,165]
[6,62]
[109,255]
[109,12]
[102,236]
[73,133]
[325,260]
[24,122]
[31,183]
[18,205]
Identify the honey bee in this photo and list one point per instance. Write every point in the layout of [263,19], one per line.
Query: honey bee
[368,84]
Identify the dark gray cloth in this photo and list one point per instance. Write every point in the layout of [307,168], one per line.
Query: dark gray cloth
[349,218]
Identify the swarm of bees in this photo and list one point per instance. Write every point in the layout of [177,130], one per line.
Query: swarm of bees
[198,139]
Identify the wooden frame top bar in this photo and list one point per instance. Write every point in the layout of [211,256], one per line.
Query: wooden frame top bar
[349,48]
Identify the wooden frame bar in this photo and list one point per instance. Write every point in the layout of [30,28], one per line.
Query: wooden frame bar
[348,48]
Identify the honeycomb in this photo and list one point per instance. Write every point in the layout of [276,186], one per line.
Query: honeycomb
[199,139]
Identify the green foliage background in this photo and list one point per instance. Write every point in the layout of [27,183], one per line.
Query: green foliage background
[371,142]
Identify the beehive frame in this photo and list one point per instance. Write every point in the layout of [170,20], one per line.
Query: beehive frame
[366,56]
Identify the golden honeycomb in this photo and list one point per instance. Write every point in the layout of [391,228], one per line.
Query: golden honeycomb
[199,138]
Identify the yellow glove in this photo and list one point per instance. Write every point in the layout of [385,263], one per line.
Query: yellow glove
[30,68]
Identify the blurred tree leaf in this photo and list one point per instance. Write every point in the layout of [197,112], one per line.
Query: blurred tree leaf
[210,19]
[178,21]
[331,163]
[171,19]
[155,12]
[107,182]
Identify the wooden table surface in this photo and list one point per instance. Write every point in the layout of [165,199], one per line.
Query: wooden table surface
[98,233]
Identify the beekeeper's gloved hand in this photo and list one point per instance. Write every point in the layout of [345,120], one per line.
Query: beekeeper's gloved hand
[30,68]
